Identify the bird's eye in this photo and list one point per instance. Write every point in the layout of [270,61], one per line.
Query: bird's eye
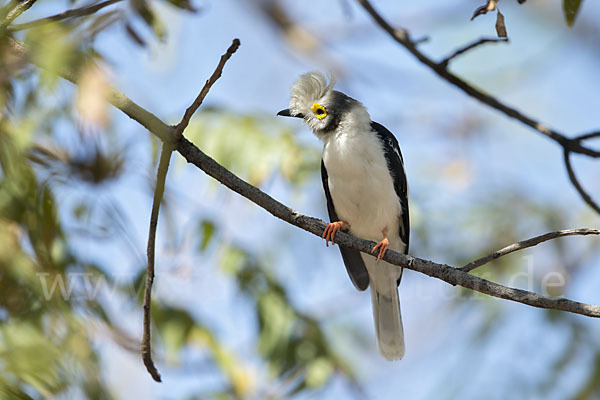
[319,110]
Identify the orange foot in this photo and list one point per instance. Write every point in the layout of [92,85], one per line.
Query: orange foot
[382,246]
[331,229]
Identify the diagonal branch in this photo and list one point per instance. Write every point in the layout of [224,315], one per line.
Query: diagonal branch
[444,63]
[453,276]
[402,36]
[76,12]
[525,244]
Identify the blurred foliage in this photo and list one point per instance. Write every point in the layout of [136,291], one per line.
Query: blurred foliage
[293,343]
[253,147]
[45,345]
[570,9]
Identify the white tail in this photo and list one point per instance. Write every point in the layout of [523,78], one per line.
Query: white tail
[388,321]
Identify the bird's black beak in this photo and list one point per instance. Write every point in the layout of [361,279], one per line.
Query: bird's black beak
[286,113]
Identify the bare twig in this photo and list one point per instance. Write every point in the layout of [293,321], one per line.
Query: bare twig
[484,9]
[161,177]
[16,12]
[76,12]
[525,244]
[207,85]
[571,172]
[468,47]
[423,39]
[401,36]
[590,135]
[573,178]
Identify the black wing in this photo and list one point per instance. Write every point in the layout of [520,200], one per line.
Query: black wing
[395,163]
[352,259]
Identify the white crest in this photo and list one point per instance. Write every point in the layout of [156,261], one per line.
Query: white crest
[307,90]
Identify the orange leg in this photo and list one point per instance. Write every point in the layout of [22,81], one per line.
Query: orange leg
[331,229]
[381,246]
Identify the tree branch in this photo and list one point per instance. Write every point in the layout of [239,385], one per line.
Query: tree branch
[76,12]
[207,85]
[453,276]
[161,177]
[573,178]
[159,190]
[590,135]
[16,12]
[444,63]
[525,244]
[401,36]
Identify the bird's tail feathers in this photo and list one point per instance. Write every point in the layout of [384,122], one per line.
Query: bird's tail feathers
[388,321]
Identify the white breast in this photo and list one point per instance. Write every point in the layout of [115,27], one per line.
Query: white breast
[360,183]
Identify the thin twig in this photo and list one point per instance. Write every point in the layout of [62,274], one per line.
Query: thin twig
[573,178]
[207,85]
[585,136]
[401,36]
[76,12]
[525,244]
[484,9]
[16,12]
[570,171]
[420,40]
[444,63]
[159,190]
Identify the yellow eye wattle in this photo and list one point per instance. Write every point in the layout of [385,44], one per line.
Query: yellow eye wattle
[319,111]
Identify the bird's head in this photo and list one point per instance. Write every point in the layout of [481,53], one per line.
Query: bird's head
[314,100]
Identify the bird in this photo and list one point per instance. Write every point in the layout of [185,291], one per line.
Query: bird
[366,189]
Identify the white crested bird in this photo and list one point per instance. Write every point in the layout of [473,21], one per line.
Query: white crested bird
[367,194]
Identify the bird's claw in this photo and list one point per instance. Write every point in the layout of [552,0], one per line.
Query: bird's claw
[330,231]
[382,246]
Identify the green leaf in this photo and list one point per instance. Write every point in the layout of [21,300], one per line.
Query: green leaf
[571,8]
[232,260]
[174,325]
[183,4]
[318,372]
[144,10]
[53,48]
[207,230]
